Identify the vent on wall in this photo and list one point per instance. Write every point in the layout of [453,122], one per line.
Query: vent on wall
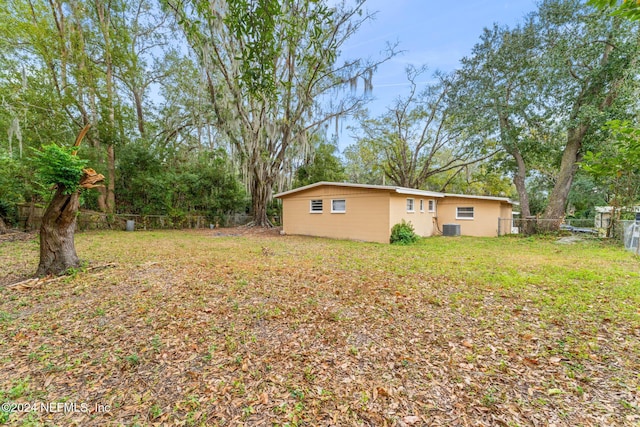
[451,229]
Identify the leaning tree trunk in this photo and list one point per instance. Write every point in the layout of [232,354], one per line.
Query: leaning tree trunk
[555,212]
[57,248]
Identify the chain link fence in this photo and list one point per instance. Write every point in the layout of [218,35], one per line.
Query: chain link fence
[620,230]
[526,226]
[102,221]
[30,219]
[630,232]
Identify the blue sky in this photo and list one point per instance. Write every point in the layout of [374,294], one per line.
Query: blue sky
[435,33]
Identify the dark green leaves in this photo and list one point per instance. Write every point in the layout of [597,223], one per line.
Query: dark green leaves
[629,9]
[623,156]
[255,22]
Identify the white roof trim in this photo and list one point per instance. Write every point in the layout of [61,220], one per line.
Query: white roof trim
[414,192]
[469,196]
[399,190]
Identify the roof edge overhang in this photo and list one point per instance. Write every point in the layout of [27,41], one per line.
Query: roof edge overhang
[496,198]
[393,189]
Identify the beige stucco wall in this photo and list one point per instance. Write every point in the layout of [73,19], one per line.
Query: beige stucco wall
[422,221]
[371,213]
[366,217]
[486,214]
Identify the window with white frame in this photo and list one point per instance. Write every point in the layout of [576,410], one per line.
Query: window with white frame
[338,206]
[316,206]
[410,205]
[464,212]
[432,205]
[421,205]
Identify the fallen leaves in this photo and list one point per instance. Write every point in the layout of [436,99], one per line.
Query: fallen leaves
[263,330]
[411,420]
[380,391]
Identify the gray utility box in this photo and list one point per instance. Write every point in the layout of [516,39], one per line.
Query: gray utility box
[451,230]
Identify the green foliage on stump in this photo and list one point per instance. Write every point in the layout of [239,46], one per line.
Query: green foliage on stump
[59,166]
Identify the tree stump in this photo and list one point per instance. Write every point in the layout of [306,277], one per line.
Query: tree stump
[57,246]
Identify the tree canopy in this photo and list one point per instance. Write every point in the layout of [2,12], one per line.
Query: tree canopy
[211,106]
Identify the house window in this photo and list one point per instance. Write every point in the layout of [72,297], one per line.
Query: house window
[432,205]
[316,206]
[338,206]
[410,205]
[421,205]
[464,213]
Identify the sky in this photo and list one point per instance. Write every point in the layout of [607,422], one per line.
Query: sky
[434,33]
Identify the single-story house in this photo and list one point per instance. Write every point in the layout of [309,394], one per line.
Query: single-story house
[368,212]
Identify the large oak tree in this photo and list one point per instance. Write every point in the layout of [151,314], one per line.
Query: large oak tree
[545,89]
[274,77]
[592,58]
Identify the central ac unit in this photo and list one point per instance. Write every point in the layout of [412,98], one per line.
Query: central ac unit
[451,230]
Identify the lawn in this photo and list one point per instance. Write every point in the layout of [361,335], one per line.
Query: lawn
[208,328]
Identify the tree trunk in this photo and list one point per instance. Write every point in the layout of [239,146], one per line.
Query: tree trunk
[555,211]
[57,248]
[104,16]
[528,227]
[111,183]
[28,224]
[3,227]
[519,181]
[260,197]
[139,111]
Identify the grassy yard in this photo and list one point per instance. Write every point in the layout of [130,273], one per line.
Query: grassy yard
[193,328]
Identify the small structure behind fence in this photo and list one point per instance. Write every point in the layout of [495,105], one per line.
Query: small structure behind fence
[621,230]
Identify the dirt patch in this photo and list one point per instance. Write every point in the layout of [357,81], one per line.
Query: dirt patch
[17,236]
[569,240]
[243,231]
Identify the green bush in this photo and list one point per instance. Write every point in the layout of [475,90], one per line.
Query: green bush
[403,233]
